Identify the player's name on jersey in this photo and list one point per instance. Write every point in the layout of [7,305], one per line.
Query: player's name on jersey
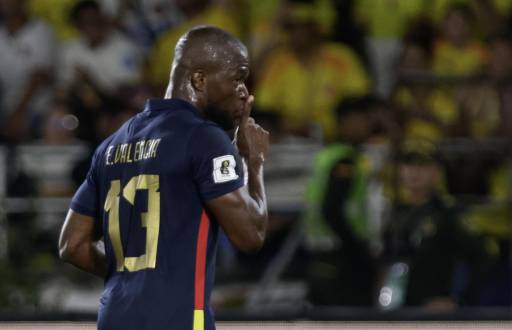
[131,152]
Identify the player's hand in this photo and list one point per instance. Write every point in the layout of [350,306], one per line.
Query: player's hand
[252,139]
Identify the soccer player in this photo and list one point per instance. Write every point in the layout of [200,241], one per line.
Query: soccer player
[159,188]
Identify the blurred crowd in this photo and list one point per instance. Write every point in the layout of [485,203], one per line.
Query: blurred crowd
[408,203]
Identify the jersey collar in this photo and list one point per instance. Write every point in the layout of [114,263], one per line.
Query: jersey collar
[169,104]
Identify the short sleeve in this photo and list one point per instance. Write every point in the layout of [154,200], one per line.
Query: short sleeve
[85,200]
[216,165]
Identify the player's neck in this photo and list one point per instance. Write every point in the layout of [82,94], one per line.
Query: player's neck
[185,94]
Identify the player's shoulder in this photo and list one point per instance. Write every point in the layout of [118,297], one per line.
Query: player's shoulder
[207,137]
[101,148]
[207,131]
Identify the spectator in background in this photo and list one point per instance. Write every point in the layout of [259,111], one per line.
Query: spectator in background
[490,15]
[458,52]
[101,57]
[338,230]
[264,20]
[59,126]
[386,23]
[27,54]
[304,79]
[417,52]
[144,20]
[431,109]
[498,86]
[424,110]
[492,222]
[196,12]
[56,14]
[348,29]
[425,234]
[96,67]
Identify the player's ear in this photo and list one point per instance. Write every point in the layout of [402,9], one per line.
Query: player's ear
[198,80]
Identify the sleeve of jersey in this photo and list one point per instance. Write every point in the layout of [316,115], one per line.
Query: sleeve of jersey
[85,200]
[217,168]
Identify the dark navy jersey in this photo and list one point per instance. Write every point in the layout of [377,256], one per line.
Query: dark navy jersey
[148,183]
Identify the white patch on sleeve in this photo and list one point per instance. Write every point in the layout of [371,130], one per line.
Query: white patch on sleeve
[224,169]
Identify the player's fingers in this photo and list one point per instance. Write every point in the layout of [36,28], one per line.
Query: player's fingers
[247,109]
[250,101]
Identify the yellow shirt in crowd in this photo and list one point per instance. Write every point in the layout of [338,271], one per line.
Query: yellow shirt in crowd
[56,13]
[439,104]
[388,18]
[481,107]
[438,8]
[308,94]
[454,61]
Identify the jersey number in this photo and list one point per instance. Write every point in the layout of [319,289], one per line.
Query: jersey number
[150,220]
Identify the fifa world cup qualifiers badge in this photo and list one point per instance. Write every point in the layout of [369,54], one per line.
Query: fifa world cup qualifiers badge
[224,169]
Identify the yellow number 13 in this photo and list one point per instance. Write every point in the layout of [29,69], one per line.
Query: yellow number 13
[150,220]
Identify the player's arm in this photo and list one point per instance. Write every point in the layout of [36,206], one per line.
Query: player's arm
[79,241]
[80,246]
[243,213]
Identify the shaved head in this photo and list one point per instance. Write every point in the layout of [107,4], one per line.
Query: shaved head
[205,48]
[209,70]
[210,42]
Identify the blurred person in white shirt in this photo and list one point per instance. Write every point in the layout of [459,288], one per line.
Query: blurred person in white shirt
[27,55]
[101,57]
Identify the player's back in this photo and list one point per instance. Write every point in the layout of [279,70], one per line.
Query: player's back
[152,177]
